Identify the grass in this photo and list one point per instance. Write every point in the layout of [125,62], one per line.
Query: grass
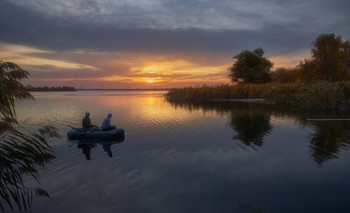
[321,95]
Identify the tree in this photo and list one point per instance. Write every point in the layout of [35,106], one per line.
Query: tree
[305,70]
[251,67]
[284,75]
[331,56]
[20,152]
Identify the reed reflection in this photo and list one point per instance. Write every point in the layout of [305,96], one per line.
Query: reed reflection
[252,122]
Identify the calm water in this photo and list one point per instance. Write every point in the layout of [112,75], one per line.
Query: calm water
[191,158]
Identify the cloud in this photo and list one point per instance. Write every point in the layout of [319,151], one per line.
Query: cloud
[28,56]
[163,26]
[187,14]
[171,40]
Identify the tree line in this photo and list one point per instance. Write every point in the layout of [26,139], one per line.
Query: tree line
[46,88]
[330,62]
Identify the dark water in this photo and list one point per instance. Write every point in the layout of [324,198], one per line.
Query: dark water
[191,158]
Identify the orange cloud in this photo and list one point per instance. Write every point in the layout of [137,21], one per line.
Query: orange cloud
[23,56]
[93,69]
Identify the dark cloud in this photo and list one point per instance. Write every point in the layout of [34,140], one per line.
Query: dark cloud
[22,25]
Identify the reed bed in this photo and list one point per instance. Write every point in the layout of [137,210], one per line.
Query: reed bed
[322,95]
[222,91]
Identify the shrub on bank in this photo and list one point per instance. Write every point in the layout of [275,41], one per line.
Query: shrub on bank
[322,95]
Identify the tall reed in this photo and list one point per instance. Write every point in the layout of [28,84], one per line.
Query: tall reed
[322,95]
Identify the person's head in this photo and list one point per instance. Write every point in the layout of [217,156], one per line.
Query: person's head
[87,113]
[109,115]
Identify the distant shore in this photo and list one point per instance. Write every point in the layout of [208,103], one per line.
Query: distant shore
[79,89]
[50,89]
[72,89]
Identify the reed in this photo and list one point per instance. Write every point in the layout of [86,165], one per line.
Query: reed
[222,91]
[322,95]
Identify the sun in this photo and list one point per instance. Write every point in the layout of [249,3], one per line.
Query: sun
[150,81]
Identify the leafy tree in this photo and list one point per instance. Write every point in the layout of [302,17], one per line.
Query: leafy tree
[20,153]
[284,75]
[251,67]
[331,56]
[305,70]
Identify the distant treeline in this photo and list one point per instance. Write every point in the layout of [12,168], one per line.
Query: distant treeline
[64,88]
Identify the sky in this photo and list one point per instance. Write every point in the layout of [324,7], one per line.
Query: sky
[115,44]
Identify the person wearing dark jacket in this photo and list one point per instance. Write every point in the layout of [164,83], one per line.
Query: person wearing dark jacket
[86,122]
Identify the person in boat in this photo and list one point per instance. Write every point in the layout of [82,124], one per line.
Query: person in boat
[106,124]
[87,125]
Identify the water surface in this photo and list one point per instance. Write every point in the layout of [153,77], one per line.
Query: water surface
[219,157]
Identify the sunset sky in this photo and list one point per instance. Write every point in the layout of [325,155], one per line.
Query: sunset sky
[158,43]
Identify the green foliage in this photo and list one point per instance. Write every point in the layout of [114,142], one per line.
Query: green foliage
[20,153]
[330,62]
[284,75]
[330,53]
[10,90]
[306,70]
[251,67]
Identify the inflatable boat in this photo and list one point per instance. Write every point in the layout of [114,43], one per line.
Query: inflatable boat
[81,134]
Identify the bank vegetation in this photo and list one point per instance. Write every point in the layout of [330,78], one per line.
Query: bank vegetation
[320,95]
[320,82]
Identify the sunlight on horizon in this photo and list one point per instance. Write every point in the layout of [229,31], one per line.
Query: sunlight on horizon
[150,81]
[123,70]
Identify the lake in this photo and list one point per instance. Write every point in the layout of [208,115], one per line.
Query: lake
[217,157]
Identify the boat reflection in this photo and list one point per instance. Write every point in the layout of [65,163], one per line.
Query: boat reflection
[87,146]
[251,122]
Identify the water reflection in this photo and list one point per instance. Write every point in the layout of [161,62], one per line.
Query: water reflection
[107,149]
[251,123]
[329,138]
[86,149]
[87,146]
